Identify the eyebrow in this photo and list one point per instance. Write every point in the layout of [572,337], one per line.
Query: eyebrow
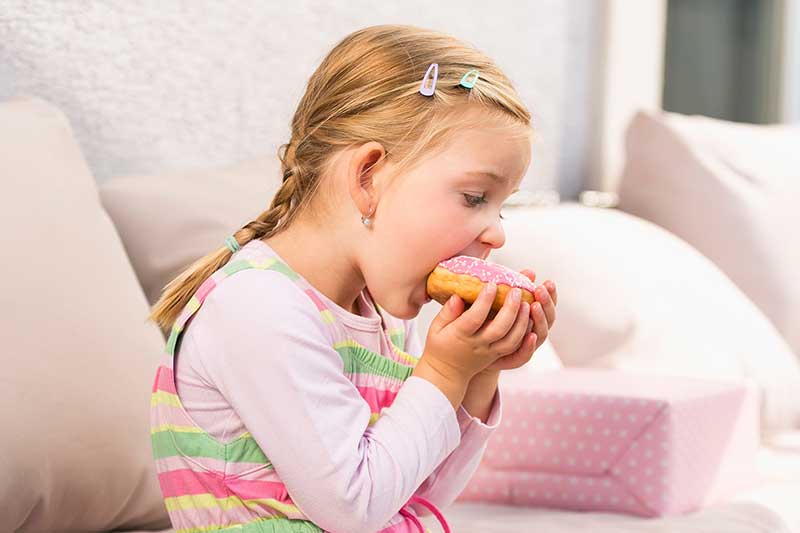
[482,173]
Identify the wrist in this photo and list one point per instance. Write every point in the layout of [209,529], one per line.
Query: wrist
[453,386]
[480,394]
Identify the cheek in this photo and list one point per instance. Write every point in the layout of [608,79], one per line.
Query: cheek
[430,230]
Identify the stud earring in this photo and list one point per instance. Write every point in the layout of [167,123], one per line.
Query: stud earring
[365,219]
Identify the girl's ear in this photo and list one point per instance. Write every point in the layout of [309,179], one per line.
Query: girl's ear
[363,164]
[369,159]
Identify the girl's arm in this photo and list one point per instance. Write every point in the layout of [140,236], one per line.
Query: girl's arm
[478,416]
[480,394]
[267,349]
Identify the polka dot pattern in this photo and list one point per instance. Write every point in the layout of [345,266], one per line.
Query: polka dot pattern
[603,451]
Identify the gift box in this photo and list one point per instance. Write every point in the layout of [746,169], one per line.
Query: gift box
[607,440]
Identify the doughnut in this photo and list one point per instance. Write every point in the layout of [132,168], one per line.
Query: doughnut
[465,276]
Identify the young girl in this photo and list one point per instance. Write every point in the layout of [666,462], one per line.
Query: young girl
[295,395]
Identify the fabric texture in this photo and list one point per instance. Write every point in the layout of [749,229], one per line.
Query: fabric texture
[169,220]
[633,296]
[731,190]
[78,354]
[589,439]
[342,432]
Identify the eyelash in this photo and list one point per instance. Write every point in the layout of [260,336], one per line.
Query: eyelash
[475,201]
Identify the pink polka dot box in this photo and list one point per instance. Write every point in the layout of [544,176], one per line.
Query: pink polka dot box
[607,440]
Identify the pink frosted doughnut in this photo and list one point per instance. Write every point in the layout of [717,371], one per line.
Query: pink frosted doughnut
[465,276]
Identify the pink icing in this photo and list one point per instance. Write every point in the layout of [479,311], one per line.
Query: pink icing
[486,271]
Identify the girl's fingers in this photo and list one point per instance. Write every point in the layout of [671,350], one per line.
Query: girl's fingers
[539,322]
[519,357]
[548,306]
[551,288]
[530,274]
[501,324]
[514,337]
[473,318]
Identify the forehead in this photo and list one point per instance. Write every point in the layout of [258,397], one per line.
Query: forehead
[492,154]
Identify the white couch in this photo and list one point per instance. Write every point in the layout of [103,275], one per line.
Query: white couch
[82,264]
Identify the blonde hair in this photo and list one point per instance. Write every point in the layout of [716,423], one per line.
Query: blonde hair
[366,89]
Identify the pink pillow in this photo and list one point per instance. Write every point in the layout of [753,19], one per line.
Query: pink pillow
[599,440]
[731,190]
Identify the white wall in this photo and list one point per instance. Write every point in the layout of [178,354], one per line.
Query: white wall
[631,78]
[156,86]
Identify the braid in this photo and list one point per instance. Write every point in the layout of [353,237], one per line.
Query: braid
[284,200]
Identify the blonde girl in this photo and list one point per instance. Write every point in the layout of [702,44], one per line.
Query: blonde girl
[295,394]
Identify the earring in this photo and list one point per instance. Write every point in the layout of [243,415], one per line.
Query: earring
[365,219]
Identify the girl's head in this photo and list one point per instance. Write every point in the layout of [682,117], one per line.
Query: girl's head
[364,141]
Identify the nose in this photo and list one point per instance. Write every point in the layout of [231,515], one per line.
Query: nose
[494,236]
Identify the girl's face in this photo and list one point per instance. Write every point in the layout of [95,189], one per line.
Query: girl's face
[448,205]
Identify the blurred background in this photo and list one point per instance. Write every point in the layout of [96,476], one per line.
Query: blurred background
[147,90]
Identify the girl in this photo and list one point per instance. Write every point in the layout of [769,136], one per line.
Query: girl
[300,399]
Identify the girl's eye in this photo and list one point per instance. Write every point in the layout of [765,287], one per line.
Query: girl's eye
[475,201]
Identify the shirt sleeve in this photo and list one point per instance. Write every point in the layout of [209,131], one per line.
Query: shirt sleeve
[448,480]
[270,354]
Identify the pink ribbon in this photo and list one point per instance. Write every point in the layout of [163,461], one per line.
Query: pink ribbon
[429,505]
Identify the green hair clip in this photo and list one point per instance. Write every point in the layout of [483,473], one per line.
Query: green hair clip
[466,82]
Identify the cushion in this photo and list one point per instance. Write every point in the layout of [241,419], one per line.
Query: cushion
[79,358]
[731,191]
[633,296]
[590,439]
[169,220]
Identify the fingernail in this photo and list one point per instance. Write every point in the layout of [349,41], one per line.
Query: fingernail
[490,287]
[516,294]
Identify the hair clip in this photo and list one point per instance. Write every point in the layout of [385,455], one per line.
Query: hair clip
[428,91]
[469,84]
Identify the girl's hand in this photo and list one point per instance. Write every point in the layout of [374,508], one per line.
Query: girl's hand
[461,343]
[542,316]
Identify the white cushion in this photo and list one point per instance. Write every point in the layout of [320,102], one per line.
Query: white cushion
[79,357]
[732,191]
[633,296]
[167,221]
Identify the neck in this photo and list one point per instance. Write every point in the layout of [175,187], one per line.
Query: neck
[323,259]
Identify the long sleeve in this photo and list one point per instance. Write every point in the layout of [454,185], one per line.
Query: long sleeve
[270,355]
[448,480]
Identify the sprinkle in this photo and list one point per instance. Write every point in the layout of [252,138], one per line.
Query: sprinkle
[487,271]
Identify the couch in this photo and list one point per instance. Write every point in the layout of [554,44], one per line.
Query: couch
[82,263]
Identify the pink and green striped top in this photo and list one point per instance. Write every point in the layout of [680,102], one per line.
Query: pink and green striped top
[401,431]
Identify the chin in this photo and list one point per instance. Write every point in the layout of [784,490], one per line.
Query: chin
[406,312]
